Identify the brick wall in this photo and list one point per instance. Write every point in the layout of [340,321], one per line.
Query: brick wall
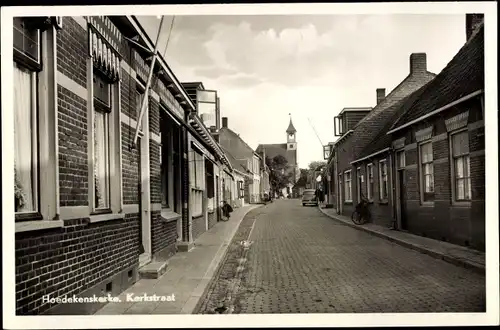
[163,234]
[69,260]
[381,210]
[72,46]
[458,224]
[80,255]
[199,226]
[352,118]
[212,219]
[73,157]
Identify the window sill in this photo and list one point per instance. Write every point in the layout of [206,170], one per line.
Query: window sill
[348,202]
[197,215]
[460,204]
[427,204]
[169,216]
[384,202]
[95,218]
[25,226]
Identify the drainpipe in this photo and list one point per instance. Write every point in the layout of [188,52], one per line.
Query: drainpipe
[187,233]
[336,166]
[393,190]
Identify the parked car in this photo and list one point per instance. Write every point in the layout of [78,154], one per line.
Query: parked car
[309,197]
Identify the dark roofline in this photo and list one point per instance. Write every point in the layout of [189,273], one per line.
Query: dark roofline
[193,84]
[237,135]
[394,128]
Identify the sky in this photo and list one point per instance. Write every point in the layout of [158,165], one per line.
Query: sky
[266,67]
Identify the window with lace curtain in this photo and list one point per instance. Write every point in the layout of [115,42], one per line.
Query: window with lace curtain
[382,179]
[461,166]
[102,110]
[426,172]
[27,65]
[197,182]
[369,182]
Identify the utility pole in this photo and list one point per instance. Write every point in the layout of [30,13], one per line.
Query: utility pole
[148,83]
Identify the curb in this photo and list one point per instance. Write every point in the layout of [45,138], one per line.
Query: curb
[435,254]
[221,254]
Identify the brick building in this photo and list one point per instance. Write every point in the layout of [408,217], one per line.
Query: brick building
[287,150]
[357,129]
[93,207]
[424,169]
[247,159]
[439,146]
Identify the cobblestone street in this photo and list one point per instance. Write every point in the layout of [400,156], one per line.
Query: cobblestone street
[286,258]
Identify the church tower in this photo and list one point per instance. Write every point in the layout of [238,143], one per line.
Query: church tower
[291,143]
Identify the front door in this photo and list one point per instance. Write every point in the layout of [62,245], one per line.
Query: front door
[402,199]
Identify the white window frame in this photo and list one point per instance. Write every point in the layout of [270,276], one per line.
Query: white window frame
[346,182]
[114,125]
[383,180]
[197,182]
[423,200]
[453,171]
[44,137]
[400,159]
[369,180]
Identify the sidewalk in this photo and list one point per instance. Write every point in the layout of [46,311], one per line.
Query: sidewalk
[455,254]
[188,274]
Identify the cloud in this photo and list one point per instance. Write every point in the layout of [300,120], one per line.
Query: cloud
[214,72]
[265,67]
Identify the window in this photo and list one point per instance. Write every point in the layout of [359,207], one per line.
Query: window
[26,64]
[382,175]
[461,166]
[369,181]
[197,179]
[427,171]
[26,41]
[102,109]
[347,186]
[241,189]
[401,159]
[25,139]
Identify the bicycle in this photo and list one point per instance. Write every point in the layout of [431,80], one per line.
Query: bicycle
[361,213]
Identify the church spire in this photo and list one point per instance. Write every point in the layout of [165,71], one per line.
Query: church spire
[291,129]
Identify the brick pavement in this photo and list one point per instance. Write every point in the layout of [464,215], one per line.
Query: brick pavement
[301,261]
[187,276]
[455,254]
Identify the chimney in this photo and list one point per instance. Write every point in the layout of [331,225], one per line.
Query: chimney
[418,63]
[224,122]
[380,95]
[471,23]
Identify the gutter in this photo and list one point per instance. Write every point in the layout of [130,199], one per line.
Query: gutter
[371,155]
[432,113]
[344,136]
